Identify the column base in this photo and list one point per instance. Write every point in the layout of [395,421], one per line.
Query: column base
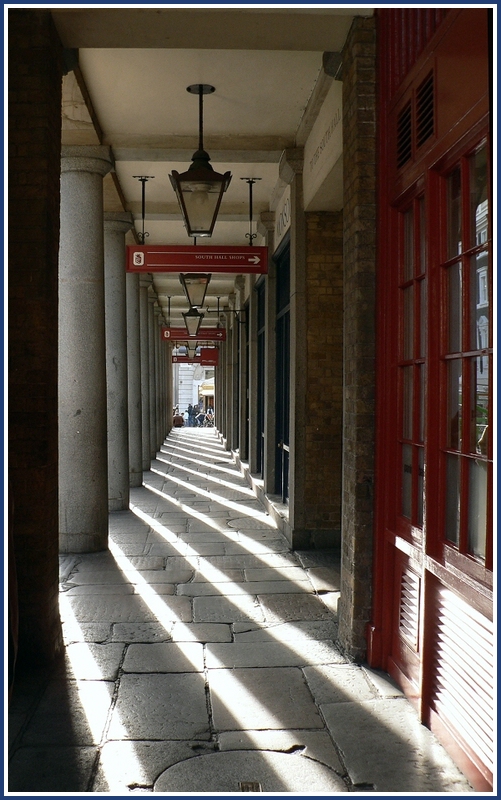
[82,542]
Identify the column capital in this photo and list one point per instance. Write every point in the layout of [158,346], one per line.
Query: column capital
[158,311]
[93,158]
[145,280]
[266,222]
[121,222]
[291,164]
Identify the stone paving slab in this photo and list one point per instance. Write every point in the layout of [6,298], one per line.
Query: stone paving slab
[259,534]
[129,608]
[210,575]
[385,746]
[201,632]
[274,772]
[331,600]
[49,769]
[126,523]
[261,699]
[160,575]
[157,588]
[273,654]
[287,631]
[52,724]
[141,632]
[316,745]
[319,558]
[383,684]
[324,579]
[164,657]
[90,589]
[343,683]
[246,588]
[204,549]
[292,574]
[94,662]
[210,536]
[105,577]
[140,563]
[285,608]
[86,631]
[126,767]
[132,547]
[253,561]
[167,707]
[252,523]
[71,563]
[256,547]
[167,575]
[167,549]
[221,609]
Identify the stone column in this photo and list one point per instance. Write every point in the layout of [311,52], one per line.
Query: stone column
[158,321]
[134,379]
[165,392]
[252,377]
[35,65]
[220,389]
[291,169]
[83,466]
[144,285]
[152,373]
[115,228]
[242,432]
[270,368]
[266,227]
[359,215]
[169,387]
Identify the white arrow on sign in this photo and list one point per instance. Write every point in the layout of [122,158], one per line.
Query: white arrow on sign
[254,260]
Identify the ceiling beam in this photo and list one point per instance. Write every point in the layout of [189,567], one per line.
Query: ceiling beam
[215,29]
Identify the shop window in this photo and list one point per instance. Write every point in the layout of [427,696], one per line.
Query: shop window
[467,358]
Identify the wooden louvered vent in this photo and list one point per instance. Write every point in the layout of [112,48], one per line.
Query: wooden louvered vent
[409,607]
[416,121]
[404,135]
[425,118]
[463,682]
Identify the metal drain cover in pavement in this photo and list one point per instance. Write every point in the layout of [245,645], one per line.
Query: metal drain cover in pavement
[235,770]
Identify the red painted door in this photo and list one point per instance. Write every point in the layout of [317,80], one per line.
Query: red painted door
[432,615]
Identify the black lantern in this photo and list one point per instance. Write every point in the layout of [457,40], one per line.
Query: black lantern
[200,189]
[192,320]
[195,287]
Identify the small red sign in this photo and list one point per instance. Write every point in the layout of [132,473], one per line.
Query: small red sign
[203,335]
[209,356]
[185,360]
[193,258]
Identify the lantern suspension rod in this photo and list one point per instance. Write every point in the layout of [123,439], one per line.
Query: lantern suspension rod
[143,179]
[251,236]
[201,89]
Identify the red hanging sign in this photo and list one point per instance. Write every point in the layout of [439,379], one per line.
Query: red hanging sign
[203,335]
[209,356]
[245,260]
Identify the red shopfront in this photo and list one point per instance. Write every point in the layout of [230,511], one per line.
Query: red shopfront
[432,621]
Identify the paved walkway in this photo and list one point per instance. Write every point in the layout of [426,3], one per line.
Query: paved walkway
[200,658]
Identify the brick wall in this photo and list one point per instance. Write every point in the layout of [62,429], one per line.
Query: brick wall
[324,396]
[34,165]
[359,131]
